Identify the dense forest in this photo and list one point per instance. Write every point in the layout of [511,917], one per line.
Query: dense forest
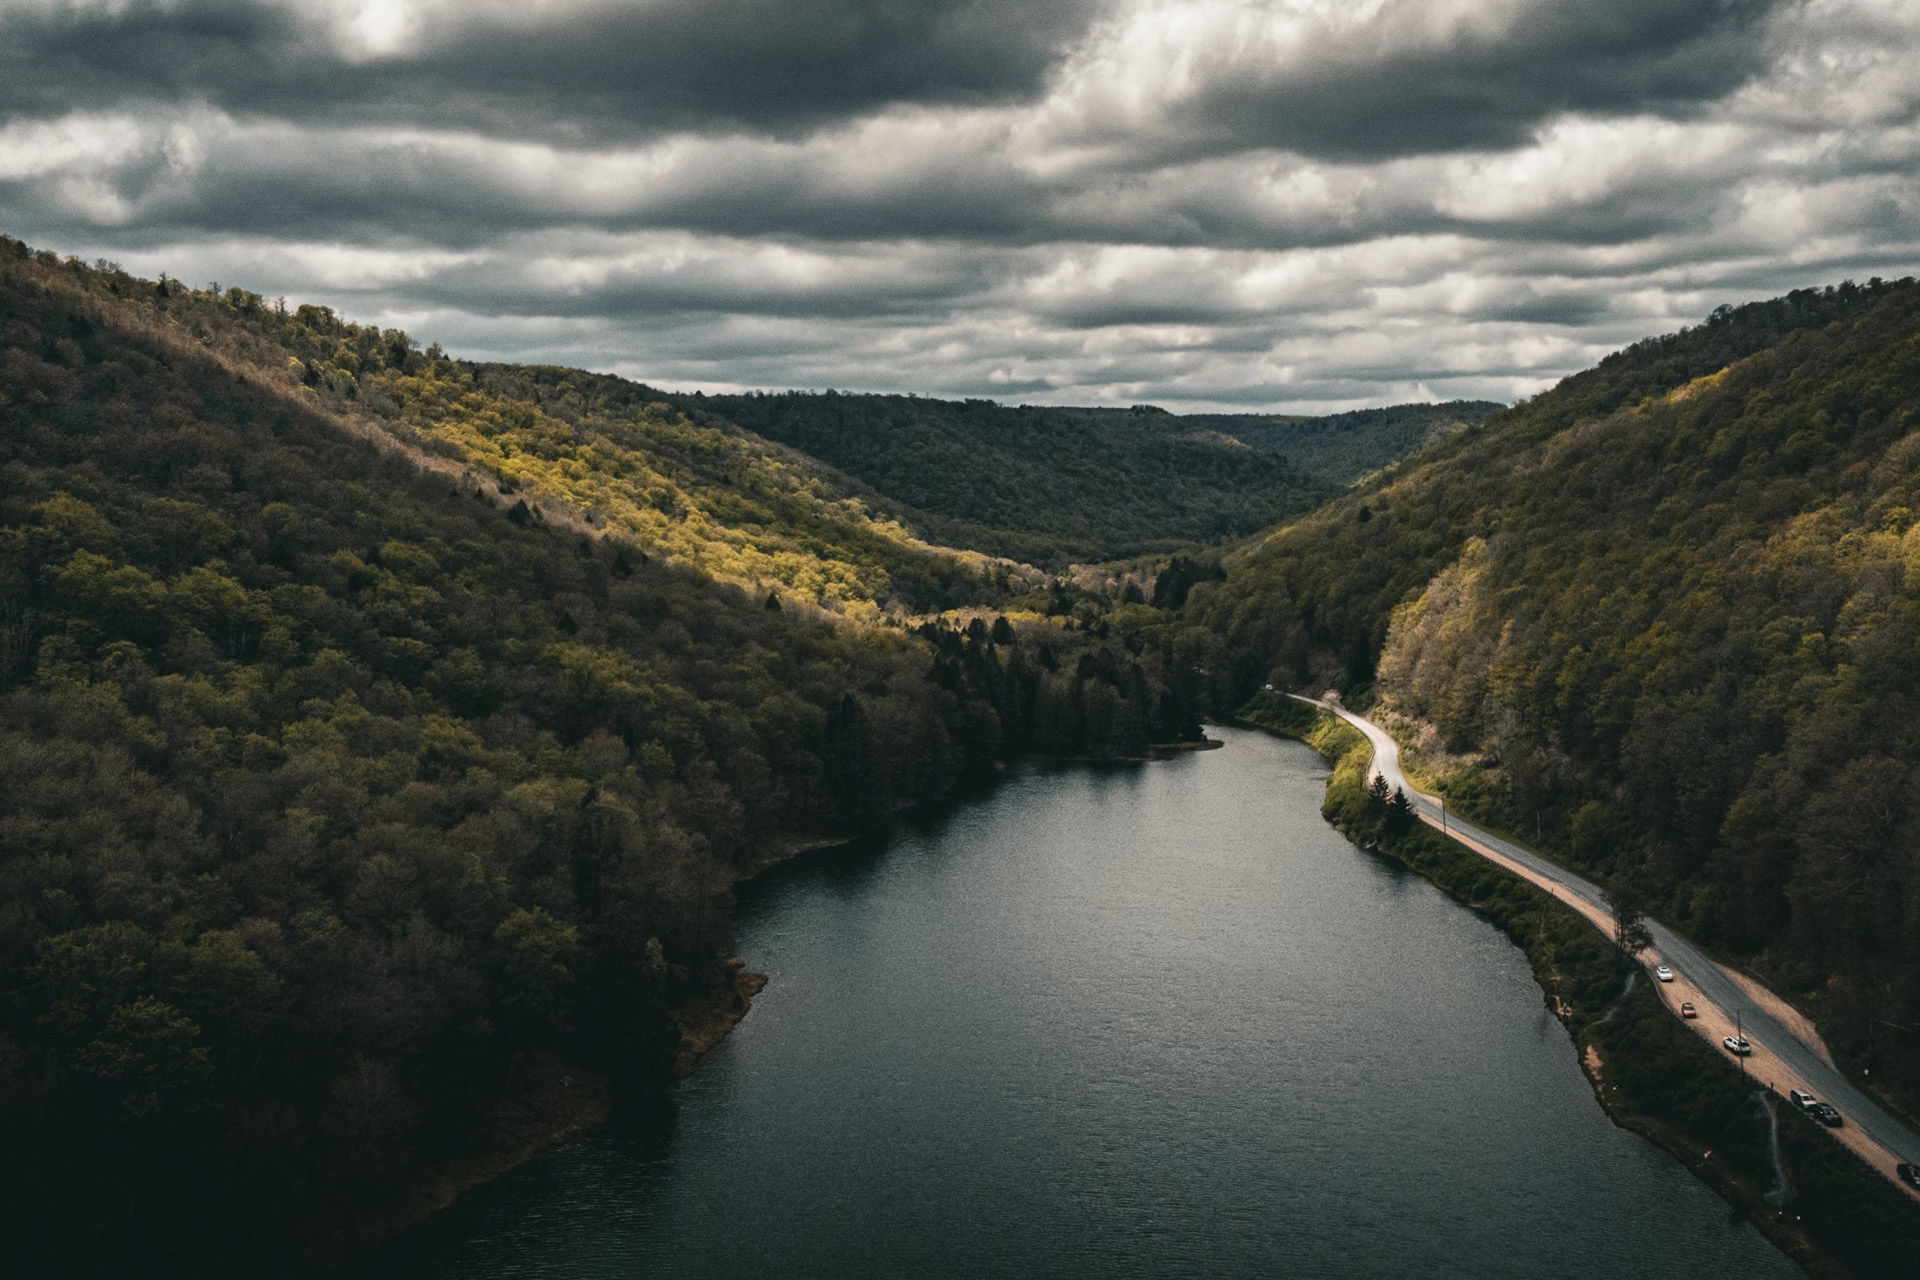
[372,725]
[1042,485]
[1341,448]
[1665,615]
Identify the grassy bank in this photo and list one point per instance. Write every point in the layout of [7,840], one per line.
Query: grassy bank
[1651,1074]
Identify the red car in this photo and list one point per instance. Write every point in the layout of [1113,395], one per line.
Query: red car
[1687,1009]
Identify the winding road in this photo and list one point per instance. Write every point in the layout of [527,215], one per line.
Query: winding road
[1787,1052]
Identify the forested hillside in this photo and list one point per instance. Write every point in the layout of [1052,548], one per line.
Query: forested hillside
[337,786]
[1056,485]
[1340,448]
[1675,602]
[583,450]
[1048,486]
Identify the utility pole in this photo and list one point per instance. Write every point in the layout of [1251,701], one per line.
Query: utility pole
[1873,1038]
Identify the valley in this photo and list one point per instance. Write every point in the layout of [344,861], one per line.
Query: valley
[762,638]
[382,732]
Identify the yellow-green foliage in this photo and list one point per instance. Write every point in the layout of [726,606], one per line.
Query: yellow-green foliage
[746,515]
[1326,733]
[1341,743]
[585,450]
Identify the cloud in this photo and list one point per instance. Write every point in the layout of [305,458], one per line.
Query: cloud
[1372,81]
[1199,203]
[672,273]
[578,70]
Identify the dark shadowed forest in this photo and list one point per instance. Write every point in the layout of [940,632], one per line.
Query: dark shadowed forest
[360,739]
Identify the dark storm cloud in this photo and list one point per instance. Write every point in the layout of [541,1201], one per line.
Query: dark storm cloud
[590,71]
[677,280]
[1565,309]
[1094,313]
[990,389]
[204,172]
[1373,94]
[204,175]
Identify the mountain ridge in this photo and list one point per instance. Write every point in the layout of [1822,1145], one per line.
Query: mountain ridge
[1663,604]
[1052,485]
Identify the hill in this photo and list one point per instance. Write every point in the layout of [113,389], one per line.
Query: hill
[1673,604]
[1044,485]
[1340,448]
[379,733]
[584,451]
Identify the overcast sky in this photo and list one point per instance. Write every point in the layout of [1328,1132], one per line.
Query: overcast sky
[1240,204]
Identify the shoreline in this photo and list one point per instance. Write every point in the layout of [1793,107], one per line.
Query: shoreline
[704,1023]
[710,1019]
[548,1103]
[1766,1062]
[1748,1199]
[1420,772]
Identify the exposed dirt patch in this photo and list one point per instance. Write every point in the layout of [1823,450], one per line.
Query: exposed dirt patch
[1783,1013]
[705,1022]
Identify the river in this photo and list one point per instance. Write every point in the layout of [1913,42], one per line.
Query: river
[1137,1021]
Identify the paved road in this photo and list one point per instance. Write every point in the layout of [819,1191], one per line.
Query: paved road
[1783,1057]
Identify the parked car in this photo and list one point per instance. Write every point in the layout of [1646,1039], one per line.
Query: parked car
[1738,1046]
[1909,1174]
[1663,973]
[1687,1010]
[1803,1100]
[1825,1114]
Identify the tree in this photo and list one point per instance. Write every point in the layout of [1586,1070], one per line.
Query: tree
[1399,813]
[535,957]
[1629,920]
[146,1062]
[1378,792]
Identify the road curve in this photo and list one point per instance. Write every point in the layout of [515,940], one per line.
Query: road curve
[1782,1058]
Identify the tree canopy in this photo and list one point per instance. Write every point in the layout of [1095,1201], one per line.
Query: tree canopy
[1672,606]
[373,725]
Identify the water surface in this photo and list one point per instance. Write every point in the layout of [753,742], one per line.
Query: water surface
[1148,1021]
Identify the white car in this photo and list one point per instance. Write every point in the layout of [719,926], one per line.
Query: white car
[1663,973]
[1738,1046]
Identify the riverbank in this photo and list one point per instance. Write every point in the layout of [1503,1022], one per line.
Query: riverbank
[705,1022]
[544,1102]
[534,1114]
[1649,1074]
[1476,793]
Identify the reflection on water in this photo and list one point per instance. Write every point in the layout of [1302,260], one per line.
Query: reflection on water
[1137,1021]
